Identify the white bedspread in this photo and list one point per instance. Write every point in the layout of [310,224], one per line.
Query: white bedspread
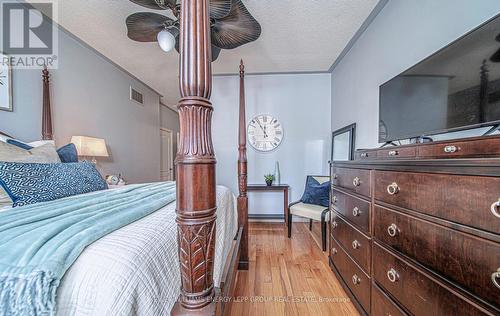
[135,270]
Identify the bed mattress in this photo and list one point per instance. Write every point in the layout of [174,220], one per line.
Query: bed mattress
[135,270]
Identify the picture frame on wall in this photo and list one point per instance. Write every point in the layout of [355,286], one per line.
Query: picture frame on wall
[5,84]
[343,143]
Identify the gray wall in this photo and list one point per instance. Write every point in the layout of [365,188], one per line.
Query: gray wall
[90,96]
[404,32]
[302,104]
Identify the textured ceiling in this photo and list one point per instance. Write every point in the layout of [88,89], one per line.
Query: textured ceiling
[297,35]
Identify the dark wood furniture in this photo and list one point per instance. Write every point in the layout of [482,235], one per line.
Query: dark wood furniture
[415,230]
[270,188]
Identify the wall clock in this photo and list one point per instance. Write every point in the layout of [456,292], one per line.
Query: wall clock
[265,133]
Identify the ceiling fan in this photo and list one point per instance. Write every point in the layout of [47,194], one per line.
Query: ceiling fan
[231,25]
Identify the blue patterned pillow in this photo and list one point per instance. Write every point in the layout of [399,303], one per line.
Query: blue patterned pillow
[316,193]
[28,183]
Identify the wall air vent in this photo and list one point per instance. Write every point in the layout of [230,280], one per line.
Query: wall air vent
[136,96]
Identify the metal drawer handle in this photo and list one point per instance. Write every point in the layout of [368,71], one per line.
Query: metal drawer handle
[495,207]
[393,153]
[392,230]
[392,275]
[355,244]
[450,149]
[335,176]
[356,211]
[334,251]
[356,279]
[494,278]
[356,182]
[334,224]
[334,199]
[393,188]
[364,155]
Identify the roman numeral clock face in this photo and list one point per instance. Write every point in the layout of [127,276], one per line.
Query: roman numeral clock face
[265,133]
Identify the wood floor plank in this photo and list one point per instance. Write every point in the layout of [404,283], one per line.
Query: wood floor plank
[288,276]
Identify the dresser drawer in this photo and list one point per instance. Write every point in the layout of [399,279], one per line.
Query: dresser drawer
[357,281]
[357,245]
[468,200]
[463,259]
[383,305]
[420,294]
[357,211]
[364,155]
[357,180]
[397,152]
[477,148]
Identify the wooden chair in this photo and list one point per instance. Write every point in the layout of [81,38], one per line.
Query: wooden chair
[311,211]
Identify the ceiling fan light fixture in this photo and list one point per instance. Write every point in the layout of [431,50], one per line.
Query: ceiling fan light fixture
[166,40]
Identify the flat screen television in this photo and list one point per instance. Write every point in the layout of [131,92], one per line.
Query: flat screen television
[455,89]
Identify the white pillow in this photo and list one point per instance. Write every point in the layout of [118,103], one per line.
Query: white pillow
[39,143]
[44,154]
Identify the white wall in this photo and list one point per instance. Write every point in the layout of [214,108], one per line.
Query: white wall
[302,104]
[404,32]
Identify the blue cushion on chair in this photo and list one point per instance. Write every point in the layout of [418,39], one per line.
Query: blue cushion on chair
[316,193]
[68,153]
[28,183]
[19,144]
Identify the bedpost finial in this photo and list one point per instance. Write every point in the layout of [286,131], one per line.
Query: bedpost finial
[45,74]
[242,67]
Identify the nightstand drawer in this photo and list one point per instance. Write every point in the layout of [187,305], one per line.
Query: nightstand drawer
[355,210]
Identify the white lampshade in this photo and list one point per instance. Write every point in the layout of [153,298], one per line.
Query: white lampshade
[166,40]
[90,146]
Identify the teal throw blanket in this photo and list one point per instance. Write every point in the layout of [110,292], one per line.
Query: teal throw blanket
[39,242]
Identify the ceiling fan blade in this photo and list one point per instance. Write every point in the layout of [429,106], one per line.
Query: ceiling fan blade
[215,52]
[219,8]
[236,29]
[155,4]
[145,26]
[496,57]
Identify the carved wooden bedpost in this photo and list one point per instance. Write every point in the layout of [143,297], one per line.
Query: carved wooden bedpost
[242,175]
[46,112]
[195,162]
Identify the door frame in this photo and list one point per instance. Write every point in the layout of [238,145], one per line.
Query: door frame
[173,153]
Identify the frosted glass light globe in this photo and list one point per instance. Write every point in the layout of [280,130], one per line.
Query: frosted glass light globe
[166,40]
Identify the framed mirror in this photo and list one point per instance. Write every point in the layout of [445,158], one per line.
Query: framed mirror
[343,143]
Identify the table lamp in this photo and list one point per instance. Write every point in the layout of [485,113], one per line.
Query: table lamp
[90,147]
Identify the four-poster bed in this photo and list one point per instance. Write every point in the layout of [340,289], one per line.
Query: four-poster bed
[196,202]
[195,163]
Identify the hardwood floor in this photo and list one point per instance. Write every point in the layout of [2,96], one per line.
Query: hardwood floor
[288,276]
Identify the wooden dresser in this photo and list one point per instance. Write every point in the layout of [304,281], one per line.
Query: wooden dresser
[415,230]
